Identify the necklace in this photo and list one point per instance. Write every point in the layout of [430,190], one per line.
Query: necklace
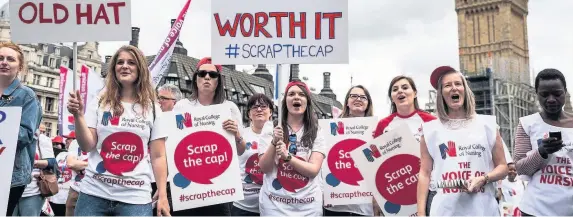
[455,124]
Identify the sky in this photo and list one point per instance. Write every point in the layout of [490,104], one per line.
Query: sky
[386,38]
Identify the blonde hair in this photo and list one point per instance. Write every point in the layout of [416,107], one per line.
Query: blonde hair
[469,100]
[145,93]
[15,47]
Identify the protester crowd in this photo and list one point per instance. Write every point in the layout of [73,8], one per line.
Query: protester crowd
[537,180]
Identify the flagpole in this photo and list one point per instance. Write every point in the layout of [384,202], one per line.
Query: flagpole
[75,69]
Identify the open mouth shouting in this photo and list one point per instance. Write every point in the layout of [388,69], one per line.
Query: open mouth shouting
[296,104]
[401,97]
[455,97]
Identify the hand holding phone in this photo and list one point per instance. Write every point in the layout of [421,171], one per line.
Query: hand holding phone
[556,135]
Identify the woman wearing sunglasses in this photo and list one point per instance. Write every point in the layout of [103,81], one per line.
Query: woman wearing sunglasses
[207,87]
[405,110]
[293,161]
[357,103]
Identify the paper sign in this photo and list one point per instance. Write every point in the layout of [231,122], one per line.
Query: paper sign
[279,32]
[202,157]
[52,21]
[10,125]
[509,209]
[343,182]
[390,165]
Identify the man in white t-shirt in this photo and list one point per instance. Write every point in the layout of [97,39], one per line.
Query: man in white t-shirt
[511,189]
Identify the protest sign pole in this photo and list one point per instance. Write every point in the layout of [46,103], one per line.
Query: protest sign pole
[278,92]
[75,69]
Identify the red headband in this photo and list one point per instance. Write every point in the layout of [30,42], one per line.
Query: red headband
[292,83]
[207,60]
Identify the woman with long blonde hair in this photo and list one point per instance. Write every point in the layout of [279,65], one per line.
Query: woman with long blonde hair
[116,131]
[462,150]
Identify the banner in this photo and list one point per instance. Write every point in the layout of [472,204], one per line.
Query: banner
[279,32]
[390,165]
[65,118]
[10,125]
[92,85]
[202,157]
[343,182]
[48,21]
[162,60]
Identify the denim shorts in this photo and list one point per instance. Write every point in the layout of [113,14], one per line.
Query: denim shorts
[88,205]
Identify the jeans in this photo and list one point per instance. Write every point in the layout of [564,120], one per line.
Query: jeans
[88,205]
[14,198]
[429,200]
[29,206]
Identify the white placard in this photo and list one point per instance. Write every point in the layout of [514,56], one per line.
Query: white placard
[390,165]
[279,32]
[202,157]
[343,183]
[52,21]
[10,125]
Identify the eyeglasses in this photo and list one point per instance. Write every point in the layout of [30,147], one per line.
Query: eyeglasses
[212,74]
[162,98]
[357,96]
[262,107]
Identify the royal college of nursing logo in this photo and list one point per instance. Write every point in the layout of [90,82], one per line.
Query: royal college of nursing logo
[337,128]
[449,150]
[108,118]
[371,153]
[184,120]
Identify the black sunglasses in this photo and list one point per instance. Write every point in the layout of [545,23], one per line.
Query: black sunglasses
[212,74]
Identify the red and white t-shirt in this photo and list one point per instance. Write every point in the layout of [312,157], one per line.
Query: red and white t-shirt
[118,169]
[64,180]
[76,152]
[285,192]
[44,143]
[414,121]
[251,174]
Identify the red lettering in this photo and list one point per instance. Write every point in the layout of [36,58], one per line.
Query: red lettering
[331,25]
[247,33]
[558,180]
[24,6]
[318,25]
[260,25]
[42,18]
[80,14]
[456,175]
[115,6]
[226,28]
[293,24]
[63,8]
[101,14]
[278,18]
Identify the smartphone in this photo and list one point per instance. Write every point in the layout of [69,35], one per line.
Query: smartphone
[555,135]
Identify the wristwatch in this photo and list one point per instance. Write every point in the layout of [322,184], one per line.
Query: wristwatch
[288,158]
[486,179]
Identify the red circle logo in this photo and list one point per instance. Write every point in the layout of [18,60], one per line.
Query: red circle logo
[202,156]
[121,152]
[253,170]
[341,164]
[289,178]
[397,179]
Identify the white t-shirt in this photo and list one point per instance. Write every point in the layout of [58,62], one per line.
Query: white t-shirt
[117,169]
[286,192]
[512,191]
[462,154]
[76,152]
[251,174]
[550,190]
[64,180]
[44,143]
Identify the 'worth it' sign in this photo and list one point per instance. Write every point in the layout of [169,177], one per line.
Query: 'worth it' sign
[52,21]
[279,32]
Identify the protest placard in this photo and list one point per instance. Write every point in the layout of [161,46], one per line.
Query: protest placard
[390,165]
[275,32]
[10,125]
[202,157]
[343,182]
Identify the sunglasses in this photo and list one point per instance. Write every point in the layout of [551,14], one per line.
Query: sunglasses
[292,145]
[212,74]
